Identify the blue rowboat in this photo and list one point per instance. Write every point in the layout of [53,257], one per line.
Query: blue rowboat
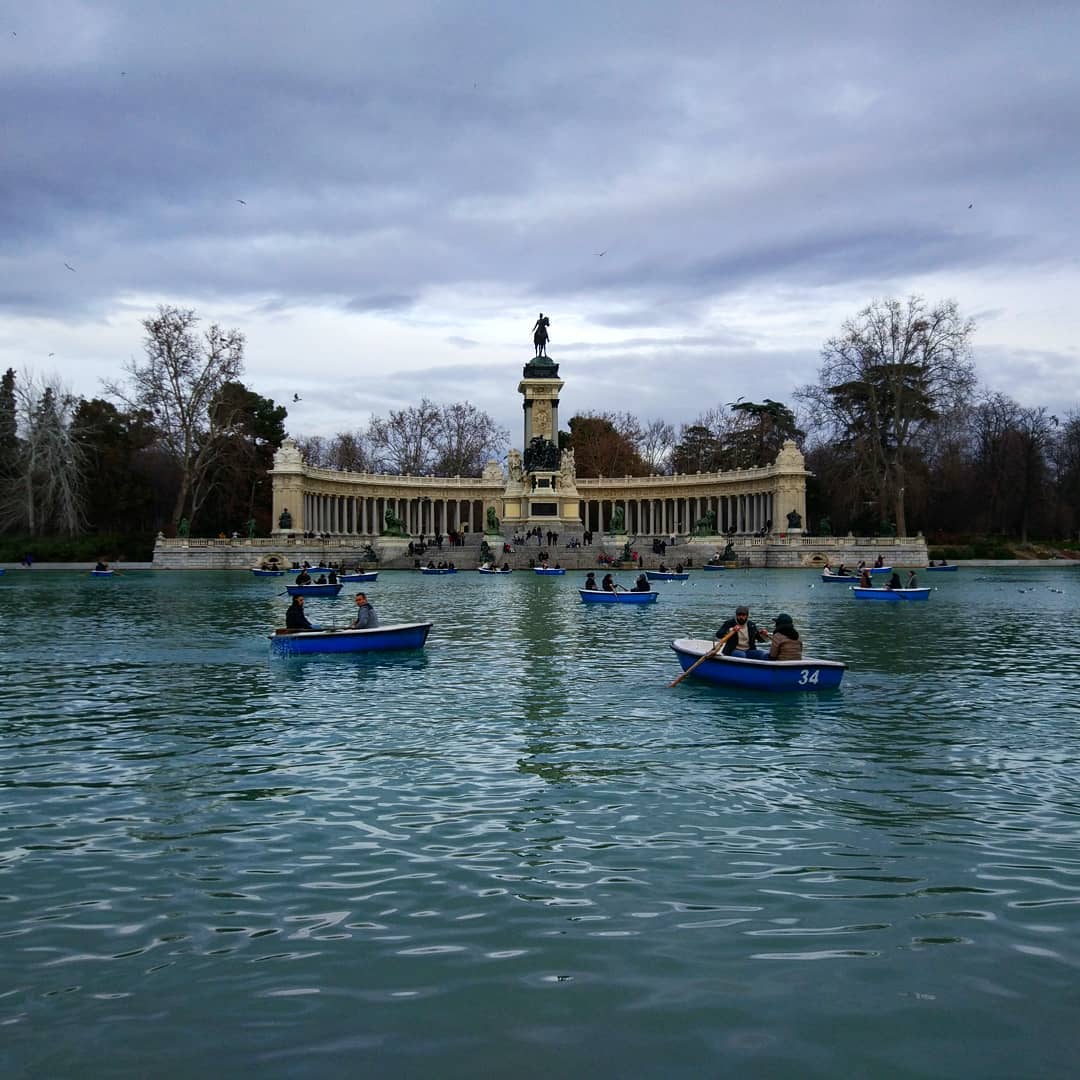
[554,570]
[942,569]
[891,595]
[379,639]
[438,569]
[602,596]
[360,575]
[849,578]
[880,569]
[485,570]
[664,575]
[313,590]
[258,571]
[101,573]
[714,566]
[319,569]
[776,675]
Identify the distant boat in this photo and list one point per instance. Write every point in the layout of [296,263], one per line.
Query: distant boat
[942,569]
[313,590]
[360,575]
[880,569]
[487,570]
[666,575]
[317,569]
[623,596]
[893,595]
[438,569]
[741,671]
[827,576]
[258,571]
[554,570]
[102,573]
[378,639]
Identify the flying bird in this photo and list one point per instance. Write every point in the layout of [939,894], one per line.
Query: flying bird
[70,267]
[296,397]
[600,254]
[52,354]
[241,202]
[970,205]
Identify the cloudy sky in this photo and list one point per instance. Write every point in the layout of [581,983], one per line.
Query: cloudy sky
[382,196]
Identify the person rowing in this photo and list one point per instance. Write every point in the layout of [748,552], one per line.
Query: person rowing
[746,636]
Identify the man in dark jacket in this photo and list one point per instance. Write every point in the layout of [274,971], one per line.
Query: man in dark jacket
[746,635]
[295,619]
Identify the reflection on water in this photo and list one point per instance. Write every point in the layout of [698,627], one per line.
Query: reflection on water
[521,845]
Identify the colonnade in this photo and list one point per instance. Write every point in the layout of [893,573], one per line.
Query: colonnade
[746,513]
[352,515]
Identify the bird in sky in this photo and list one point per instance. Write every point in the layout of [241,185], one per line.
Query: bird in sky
[241,202]
[70,267]
[970,205]
[52,354]
[600,254]
[296,397]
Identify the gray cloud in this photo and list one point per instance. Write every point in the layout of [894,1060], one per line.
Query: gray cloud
[457,165]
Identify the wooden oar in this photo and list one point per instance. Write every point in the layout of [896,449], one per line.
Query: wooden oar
[701,659]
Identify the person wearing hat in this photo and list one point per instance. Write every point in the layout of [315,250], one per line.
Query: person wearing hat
[366,619]
[785,640]
[746,637]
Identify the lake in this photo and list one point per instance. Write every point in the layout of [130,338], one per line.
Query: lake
[518,852]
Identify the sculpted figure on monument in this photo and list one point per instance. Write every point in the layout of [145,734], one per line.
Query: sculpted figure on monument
[567,468]
[513,464]
[540,334]
[542,454]
[794,520]
[285,519]
[706,524]
[394,525]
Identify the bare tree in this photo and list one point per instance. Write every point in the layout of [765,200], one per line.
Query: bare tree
[884,382]
[179,383]
[466,439]
[655,444]
[42,490]
[405,441]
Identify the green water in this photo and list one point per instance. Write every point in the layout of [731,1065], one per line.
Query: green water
[519,853]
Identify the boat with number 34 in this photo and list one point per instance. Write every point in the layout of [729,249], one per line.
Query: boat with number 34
[774,675]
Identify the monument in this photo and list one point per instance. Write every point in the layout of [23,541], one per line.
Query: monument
[541,487]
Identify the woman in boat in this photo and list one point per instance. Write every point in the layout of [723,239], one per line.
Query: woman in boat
[785,640]
[864,578]
[101,566]
[303,578]
[331,578]
[912,580]
[894,581]
[590,582]
[879,562]
[642,584]
[608,584]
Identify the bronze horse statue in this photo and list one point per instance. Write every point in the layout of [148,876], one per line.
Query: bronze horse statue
[540,334]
